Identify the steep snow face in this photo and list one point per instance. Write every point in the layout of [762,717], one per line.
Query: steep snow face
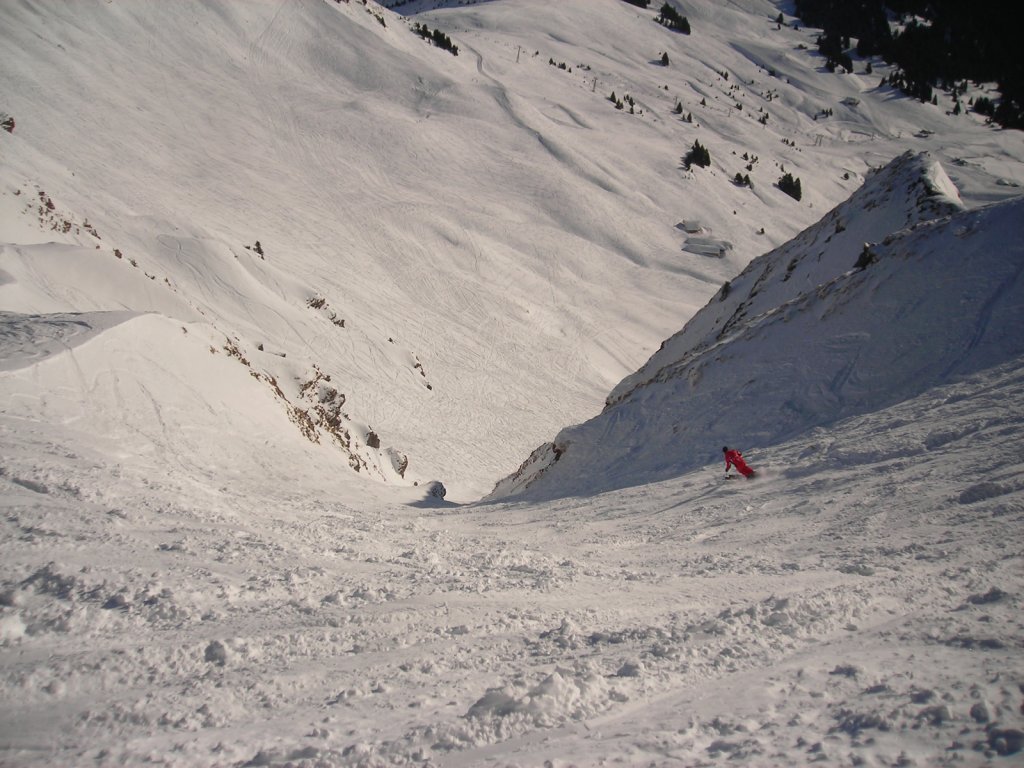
[192,575]
[911,189]
[820,330]
[474,248]
[180,400]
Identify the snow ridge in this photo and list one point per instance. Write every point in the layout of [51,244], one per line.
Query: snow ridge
[825,327]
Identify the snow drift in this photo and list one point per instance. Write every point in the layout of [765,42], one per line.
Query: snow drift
[895,291]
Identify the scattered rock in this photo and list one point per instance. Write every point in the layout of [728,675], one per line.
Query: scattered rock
[936,715]
[994,595]
[980,712]
[216,653]
[846,670]
[630,669]
[1006,741]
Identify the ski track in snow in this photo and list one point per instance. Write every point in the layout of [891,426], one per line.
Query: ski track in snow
[861,600]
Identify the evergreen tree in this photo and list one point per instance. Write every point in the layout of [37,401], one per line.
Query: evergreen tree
[437,37]
[671,18]
[790,186]
[952,44]
[698,155]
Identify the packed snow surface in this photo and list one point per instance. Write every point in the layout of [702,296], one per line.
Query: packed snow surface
[275,275]
[858,603]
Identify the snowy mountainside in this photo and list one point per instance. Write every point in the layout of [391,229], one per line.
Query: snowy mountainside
[237,236]
[910,190]
[444,236]
[814,332]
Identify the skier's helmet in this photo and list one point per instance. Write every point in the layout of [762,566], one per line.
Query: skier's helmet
[725,449]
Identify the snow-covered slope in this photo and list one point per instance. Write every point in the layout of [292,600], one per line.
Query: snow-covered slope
[457,241]
[825,327]
[861,605]
[911,190]
[247,247]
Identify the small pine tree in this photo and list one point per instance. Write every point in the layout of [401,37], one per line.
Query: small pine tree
[679,108]
[983,106]
[698,155]
[664,59]
[791,186]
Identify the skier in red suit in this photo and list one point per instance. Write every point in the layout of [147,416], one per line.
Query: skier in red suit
[734,458]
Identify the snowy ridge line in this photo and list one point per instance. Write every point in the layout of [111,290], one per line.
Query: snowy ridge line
[913,183]
[746,328]
[817,356]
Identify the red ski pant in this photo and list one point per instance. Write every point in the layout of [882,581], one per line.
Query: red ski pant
[741,467]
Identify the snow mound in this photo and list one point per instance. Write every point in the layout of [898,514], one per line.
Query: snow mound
[181,395]
[28,339]
[563,696]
